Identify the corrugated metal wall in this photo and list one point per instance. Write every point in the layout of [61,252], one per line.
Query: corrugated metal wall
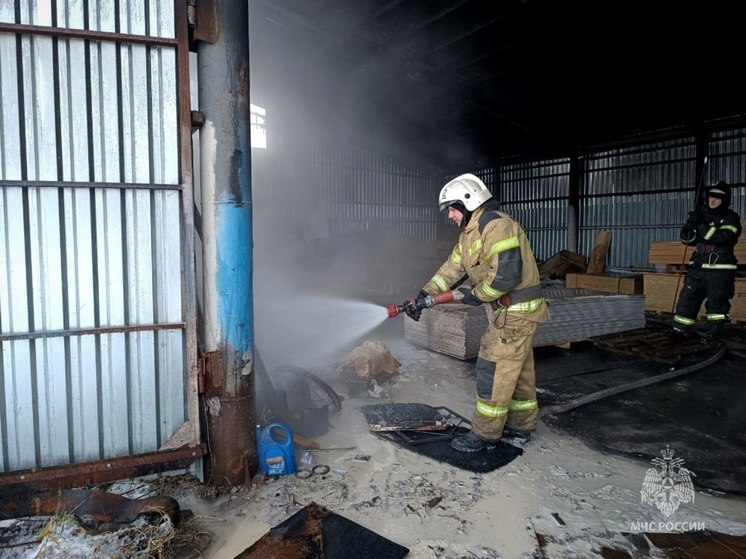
[643,194]
[640,194]
[328,188]
[91,314]
[728,162]
[536,194]
[366,191]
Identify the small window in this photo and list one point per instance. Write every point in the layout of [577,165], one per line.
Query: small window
[258,127]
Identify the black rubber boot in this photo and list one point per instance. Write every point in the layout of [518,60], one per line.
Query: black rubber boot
[470,443]
[712,333]
[682,332]
[510,433]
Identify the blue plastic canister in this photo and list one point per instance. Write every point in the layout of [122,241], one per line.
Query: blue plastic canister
[276,457]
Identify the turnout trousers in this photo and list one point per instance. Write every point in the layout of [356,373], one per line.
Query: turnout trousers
[716,286]
[506,378]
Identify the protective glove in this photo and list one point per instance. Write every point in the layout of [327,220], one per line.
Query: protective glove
[421,296]
[413,312]
[703,228]
[470,298]
[688,233]
[695,217]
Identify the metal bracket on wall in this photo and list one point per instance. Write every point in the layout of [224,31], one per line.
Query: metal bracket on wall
[202,18]
[198,120]
[210,377]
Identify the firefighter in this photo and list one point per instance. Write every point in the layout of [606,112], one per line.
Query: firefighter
[494,253]
[714,231]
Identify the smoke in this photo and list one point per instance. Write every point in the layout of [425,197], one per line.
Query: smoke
[313,331]
[344,201]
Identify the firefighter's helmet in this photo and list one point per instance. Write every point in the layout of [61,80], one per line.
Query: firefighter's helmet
[720,190]
[467,190]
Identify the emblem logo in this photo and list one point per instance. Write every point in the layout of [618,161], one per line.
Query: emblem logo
[668,484]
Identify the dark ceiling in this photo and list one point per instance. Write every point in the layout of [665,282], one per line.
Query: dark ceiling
[471,80]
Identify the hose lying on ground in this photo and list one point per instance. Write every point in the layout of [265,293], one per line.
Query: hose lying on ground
[583,400]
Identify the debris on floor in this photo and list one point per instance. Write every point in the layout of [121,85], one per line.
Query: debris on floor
[428,431]
[94,505]
[411,416]
[371,359]
[63,537]
[78,524]
[369,370]
[315,532]
[305,402]
[663,545]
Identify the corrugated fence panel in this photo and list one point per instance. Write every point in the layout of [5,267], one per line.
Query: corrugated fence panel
[366,191]
[337,190]
[728,163]
[86,257]
[535,193]
[640,194]
[635,222]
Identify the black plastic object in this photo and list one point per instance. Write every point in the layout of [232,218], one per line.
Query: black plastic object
[486,460]
[303,401]
[315,532]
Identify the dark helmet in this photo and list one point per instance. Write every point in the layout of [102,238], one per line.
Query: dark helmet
[720,190]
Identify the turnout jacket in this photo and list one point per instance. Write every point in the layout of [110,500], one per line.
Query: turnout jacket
[494,253]
[714,233]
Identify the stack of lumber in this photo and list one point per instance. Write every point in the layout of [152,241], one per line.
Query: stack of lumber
[453,329]
[457,329]
[623,285]
[672,253]
[662,292]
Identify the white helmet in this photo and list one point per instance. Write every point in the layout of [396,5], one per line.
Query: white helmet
[467,189]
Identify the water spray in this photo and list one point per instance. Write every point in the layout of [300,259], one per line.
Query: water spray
[414,305]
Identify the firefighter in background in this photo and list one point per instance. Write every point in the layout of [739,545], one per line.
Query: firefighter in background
[714,231]
[494,253]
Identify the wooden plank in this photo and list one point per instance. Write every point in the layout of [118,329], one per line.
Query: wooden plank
[600,252]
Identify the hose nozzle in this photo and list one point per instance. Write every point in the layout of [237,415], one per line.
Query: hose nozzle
[426,303]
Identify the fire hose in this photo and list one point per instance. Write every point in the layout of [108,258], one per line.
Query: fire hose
[583,400]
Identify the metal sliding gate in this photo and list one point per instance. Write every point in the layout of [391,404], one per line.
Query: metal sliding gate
[97,306]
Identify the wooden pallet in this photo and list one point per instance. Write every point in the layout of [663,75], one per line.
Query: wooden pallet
[653,343]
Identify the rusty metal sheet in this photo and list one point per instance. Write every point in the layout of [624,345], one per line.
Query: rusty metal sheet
[400,417]
[99,471]
[33,500]
[315,532]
